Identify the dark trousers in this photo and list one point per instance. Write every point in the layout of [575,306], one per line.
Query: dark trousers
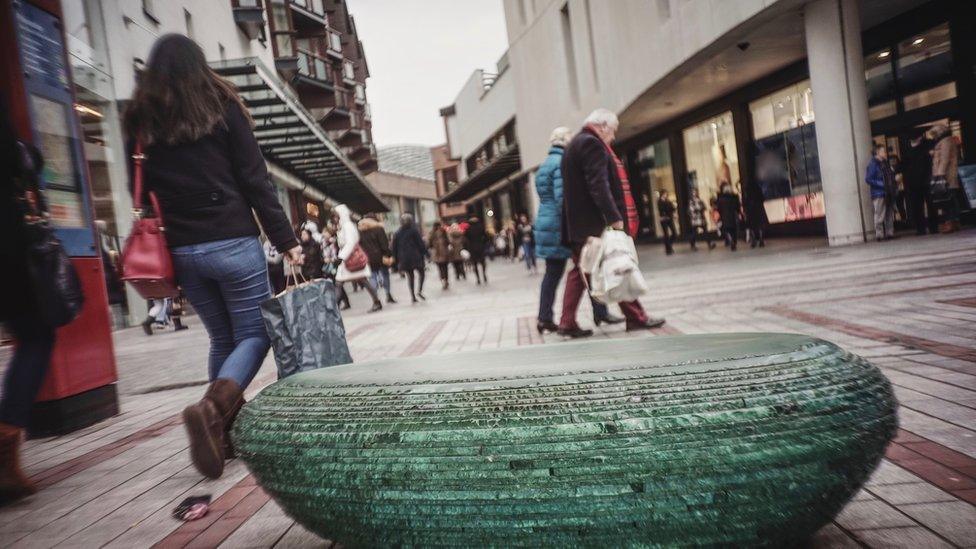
[555,268]
[479,262]
[459,270]
[667,227]
[921,213]
[730,232]
[419,278]
[442,270]
[26,371]
[693,235]
[633,310]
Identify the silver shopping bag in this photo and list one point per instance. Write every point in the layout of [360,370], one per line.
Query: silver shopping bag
[306,328]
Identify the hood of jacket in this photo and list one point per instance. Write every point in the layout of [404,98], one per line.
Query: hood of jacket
[343,212]
[367,223]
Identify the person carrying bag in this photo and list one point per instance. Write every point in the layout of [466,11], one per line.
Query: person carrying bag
[305,327]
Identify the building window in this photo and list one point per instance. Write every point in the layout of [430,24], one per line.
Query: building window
[925,68]
[570,50]
[711,158]
[335,42]
[280,18]
[787,160]
[654,163]
[188,21]
[881,84]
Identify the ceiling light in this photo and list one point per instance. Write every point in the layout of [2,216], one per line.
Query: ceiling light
[884,54]
[918,41]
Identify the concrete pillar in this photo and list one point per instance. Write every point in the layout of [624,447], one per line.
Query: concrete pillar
[833,37]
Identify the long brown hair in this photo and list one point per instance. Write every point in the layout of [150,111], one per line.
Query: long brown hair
[179,98]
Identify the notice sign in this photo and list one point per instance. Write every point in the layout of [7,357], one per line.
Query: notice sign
[41,51]
[64,209]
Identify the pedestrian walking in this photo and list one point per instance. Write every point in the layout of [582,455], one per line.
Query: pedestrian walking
[373,239]
[456,241]
[729,206]
[20,167]
[408,255]
[477,241]
[347,238]
[881,180]
[665,212]
[312,260]
[917,171]
[547,235]
[945,178]
[206,168]
[596,193]
[696,215]
[527,242]
[439,245]
[755,210]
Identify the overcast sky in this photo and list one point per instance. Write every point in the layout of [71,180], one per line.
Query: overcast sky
[420,52]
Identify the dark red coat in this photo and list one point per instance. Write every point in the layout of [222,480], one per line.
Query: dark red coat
[592,195]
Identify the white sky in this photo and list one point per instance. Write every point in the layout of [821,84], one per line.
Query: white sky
[420,52]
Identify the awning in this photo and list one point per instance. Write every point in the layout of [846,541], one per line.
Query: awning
[291,138]
[500,167]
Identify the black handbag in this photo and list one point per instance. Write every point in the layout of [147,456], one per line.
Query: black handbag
[57,289]
[939,188]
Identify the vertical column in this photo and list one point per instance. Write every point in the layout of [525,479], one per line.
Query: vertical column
[833,37]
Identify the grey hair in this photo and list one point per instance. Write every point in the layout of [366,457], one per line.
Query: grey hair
[602,117]
[560,137]
[406,219]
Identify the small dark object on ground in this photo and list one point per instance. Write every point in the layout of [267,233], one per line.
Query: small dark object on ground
[192,508]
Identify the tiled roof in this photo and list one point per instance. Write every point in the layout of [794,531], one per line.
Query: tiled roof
[408,160]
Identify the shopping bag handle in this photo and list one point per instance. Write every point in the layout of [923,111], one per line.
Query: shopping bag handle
[295,275]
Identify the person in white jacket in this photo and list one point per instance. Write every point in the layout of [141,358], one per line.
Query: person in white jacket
[347,236]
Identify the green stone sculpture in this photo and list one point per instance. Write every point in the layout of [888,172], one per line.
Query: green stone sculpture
[730,439]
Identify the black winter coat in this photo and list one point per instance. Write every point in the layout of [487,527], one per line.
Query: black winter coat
[409,249]
[313,262]
[373,240]
[917,166]
[728,208]
[593,197]
[208,188]
[477,239]
[16,298]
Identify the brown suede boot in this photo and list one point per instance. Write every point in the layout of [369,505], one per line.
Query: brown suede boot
[204,423]
[229,452]
[14,484]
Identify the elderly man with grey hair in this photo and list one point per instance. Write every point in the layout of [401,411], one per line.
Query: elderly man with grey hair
[548,233]
[596,195]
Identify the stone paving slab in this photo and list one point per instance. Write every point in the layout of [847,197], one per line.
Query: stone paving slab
[909,305]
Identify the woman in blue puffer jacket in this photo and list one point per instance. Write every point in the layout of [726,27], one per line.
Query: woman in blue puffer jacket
[548,234]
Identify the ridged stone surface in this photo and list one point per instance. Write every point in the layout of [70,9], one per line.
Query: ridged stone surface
[731,439]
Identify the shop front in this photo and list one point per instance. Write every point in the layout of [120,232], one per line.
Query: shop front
[762,138]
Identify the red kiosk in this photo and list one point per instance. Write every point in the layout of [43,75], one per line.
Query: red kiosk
[36,86]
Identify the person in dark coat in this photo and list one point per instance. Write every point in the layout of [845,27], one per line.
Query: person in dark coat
[477,242]
[755,211]
[728,205]
[665,212]
[917,171]
[373,240]
[596,194]
[19,170]
[547,233]
[311,256]
[439,244]
[408,255]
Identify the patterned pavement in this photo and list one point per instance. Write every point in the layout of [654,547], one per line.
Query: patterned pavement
[908,305]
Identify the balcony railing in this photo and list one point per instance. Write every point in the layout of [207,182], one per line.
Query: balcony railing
[313,66]
[334,43]
[348,71]
[314,6]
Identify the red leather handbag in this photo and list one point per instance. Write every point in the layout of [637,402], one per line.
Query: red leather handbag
[357,260]
[146,263]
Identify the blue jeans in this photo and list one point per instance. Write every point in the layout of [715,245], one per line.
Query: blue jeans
[226,281]
[380,278]
[27,369]
[528,253]
[555,268]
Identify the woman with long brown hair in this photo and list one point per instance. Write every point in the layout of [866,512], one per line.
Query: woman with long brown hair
[205,166]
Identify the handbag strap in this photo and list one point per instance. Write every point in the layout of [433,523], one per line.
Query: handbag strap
[137,158]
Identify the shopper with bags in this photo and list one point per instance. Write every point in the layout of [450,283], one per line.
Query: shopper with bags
[439,244]
[352,263]
[408,255]
[203,164]
[596,195]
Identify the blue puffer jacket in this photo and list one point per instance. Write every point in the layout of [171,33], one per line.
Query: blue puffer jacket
[549,185]
[875,177]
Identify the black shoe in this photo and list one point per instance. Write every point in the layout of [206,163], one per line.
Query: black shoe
[421,296]
[178,325]
[547,326]
[389,299]
[609,319]
[574,333]
[377,306]
[147,325]
[651,322]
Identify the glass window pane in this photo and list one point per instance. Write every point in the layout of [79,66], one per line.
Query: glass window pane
[710,155]
[925,68]
[880,81]
[654,162]
[284,43]
[279,16]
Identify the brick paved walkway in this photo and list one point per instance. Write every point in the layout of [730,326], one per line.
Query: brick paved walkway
[908,305]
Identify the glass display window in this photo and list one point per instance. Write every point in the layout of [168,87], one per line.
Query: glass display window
[925,68]
[782,110]
[711,158]
[654,162]
[880,80]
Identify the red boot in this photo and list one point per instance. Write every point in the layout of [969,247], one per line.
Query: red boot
[14,484]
